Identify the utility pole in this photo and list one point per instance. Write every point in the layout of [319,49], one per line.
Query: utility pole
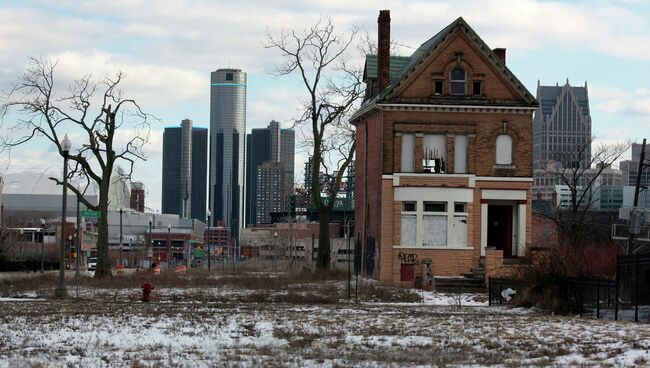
[209,237]
[78,250]
[636,199]
[43,246]
[169,246]
[275,249]
[150,244]
[121,244]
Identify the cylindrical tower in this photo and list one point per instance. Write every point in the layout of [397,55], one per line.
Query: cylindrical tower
[227,135]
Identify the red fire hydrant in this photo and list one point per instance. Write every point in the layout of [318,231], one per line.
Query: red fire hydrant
[147,288]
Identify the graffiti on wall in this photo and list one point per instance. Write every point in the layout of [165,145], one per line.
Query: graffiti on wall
[410,258]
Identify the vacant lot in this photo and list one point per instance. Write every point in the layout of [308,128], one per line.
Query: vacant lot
[294,324]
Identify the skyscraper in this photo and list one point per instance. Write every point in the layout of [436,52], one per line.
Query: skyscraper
[271,191]
[270,144]
[184,177]
[562,126]
[287,156]
[258,151]
[227,135]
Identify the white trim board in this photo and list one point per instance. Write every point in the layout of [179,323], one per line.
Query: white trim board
[504,194]
[434,194]
[432,248]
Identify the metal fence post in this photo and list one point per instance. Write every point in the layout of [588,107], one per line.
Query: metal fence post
[580,298]
[489,291]
[636,288]
[597,298]
[616,277]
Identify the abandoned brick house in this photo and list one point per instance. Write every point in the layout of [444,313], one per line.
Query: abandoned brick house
[444,158]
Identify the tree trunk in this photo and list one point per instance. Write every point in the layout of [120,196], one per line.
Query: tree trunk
[323,258]
[103,258]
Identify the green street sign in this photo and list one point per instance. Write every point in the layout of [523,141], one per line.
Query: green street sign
[89,213]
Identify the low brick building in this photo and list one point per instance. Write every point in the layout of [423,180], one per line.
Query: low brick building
[444,158]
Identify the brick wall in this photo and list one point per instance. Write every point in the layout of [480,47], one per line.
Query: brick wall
[495,87]
[544,231]
[444,262]
[368,188]
[482,129]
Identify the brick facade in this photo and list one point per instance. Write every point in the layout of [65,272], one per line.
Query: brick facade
[409,106]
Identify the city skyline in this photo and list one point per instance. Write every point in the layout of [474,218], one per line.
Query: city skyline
[173,87]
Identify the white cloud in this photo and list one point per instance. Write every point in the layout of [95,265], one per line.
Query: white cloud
[611,100]
[167,49]
[146,83]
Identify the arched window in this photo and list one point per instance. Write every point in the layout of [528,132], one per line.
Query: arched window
[504,150]
[458,81]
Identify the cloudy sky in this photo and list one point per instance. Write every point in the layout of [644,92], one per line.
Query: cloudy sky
[168,49]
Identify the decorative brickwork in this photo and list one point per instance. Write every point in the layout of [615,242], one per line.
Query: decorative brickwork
[410,106]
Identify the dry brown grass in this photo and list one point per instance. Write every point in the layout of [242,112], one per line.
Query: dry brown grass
[292,288]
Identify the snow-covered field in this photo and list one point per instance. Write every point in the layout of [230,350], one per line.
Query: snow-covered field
[229,327]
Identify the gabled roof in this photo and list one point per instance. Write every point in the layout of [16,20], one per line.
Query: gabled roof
[396,65]
[426,49]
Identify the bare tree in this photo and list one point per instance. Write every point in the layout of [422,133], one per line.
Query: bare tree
[320,57]
[35,109]
[582,172]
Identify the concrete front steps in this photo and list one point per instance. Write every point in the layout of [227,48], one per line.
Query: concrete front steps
[471,282]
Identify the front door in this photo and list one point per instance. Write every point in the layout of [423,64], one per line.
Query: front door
[500,228]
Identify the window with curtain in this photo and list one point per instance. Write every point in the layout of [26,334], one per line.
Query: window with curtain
[434,153]
[457,81]
[408,153]
[504,150]
[460,154]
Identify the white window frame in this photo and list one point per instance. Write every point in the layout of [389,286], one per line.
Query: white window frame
[419,214]
[453,81]
[409,214]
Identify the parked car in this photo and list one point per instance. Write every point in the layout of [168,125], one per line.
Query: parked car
[92,263]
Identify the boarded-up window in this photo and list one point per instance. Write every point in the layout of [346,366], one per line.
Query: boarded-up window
[460,154]
[407,230]
[407,272]
[434,230]
[408,153]
[504,150]
[458,231]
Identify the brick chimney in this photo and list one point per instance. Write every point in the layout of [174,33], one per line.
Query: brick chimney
[501,54]
[383,49]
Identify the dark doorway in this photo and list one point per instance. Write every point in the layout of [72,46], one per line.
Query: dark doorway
[500,228]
